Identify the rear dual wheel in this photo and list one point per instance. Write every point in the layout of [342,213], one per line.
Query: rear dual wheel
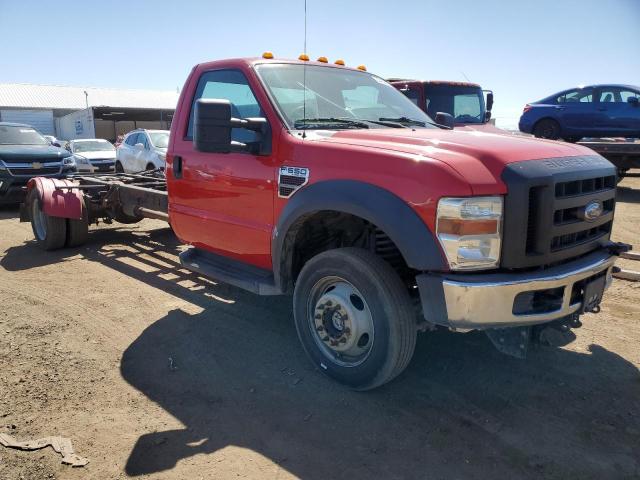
[52,233]
[354,317]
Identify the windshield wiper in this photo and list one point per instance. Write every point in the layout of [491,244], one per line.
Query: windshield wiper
[305,123]
[403,121]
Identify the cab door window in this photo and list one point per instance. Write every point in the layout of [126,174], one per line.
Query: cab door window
[229,85]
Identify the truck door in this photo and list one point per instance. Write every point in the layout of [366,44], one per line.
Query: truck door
[224,202]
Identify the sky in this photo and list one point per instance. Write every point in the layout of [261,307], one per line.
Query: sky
[522,50]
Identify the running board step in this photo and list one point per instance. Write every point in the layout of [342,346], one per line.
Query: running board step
[233,272]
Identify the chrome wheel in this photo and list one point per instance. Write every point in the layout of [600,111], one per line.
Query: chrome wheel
[340,321]
[39,220]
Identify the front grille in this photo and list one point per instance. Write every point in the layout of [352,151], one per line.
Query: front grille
[549,209]
[34,171]
[588,185]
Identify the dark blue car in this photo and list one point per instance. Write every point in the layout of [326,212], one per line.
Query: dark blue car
[592,111]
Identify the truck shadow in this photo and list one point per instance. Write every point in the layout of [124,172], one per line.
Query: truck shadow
[461,410]
[628,195]
[9,211]
[235,376]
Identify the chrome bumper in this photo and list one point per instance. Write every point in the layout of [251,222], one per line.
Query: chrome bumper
[481,301]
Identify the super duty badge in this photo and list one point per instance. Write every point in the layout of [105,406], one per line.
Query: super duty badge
[290,179]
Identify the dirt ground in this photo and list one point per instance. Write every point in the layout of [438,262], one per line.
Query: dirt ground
[156,373]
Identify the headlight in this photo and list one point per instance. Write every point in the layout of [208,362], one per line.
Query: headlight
[69,160]
[470,231]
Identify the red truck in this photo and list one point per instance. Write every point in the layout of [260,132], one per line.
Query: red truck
[290,177]
[461,104]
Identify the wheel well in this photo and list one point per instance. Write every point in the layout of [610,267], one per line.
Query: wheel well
[325,230]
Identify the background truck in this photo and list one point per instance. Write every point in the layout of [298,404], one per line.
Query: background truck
[325,183]
[468,104]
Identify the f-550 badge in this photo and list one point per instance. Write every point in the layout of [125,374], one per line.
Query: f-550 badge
[291,179]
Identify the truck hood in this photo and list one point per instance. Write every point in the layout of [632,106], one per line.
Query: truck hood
[481,127]
[478,156]
[31,153]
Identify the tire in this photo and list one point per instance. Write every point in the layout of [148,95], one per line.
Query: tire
[572,139]
[150,166]
[50,232]
[366,333]
[119,167]
[78,230]
[547,128]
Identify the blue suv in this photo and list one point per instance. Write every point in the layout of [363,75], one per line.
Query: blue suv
[592,111]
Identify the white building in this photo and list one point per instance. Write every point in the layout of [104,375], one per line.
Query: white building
[78,112]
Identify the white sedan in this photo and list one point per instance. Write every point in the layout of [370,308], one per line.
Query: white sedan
[93,154]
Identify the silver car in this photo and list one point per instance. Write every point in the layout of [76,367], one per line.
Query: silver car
[93,154]
[142,150]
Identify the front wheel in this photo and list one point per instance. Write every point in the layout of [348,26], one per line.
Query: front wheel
[354,317]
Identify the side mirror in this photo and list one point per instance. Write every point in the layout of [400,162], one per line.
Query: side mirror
[212,127]
[633,101]
[445,120]
[139,146]
[489,100]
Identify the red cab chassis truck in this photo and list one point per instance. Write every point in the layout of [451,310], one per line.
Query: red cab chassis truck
[324,182]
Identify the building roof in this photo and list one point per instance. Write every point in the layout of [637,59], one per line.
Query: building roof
[24,95]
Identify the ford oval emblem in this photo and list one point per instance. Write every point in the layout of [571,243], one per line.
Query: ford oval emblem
[593,211]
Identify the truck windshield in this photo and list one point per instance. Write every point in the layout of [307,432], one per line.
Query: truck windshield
[92,146]
[338,98]
[20,135]
[465,103]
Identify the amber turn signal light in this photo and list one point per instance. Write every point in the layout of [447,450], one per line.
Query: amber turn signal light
[456,226]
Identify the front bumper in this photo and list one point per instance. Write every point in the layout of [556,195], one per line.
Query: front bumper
[489,300]
[101,166]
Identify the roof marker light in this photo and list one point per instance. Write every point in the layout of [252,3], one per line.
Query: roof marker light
[323,60]
[339,62]
[304,57]
[267,55]
[362,67]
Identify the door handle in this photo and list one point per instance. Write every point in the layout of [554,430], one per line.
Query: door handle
[177,166]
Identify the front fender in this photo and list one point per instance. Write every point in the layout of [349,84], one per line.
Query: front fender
[390,213]
[65,203]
